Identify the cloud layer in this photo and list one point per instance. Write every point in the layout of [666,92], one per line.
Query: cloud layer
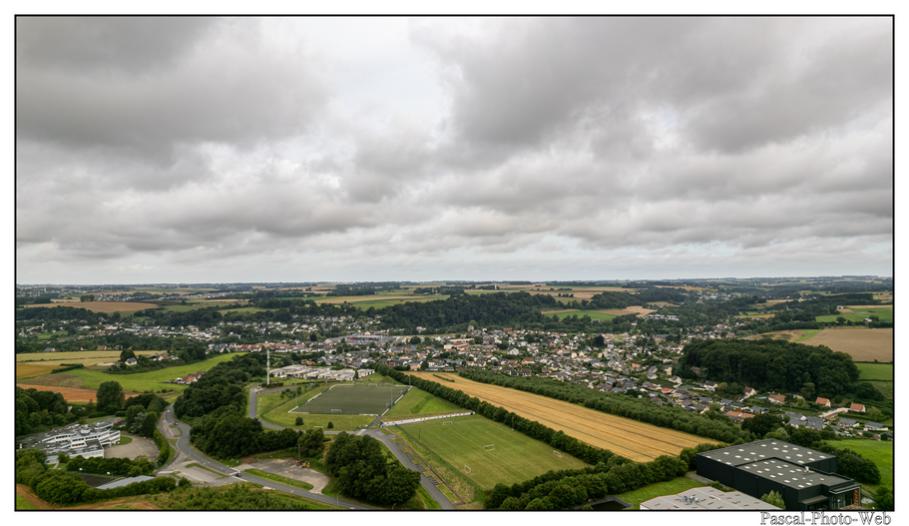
[207,149]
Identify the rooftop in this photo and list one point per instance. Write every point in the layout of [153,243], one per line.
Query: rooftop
[765,449]
[707,498]
[792,475]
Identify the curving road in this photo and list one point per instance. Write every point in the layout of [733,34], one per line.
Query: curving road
[171,427]
[251,408]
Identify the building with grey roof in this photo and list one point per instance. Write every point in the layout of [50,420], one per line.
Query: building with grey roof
[706,498]
[804,477]
[119,483]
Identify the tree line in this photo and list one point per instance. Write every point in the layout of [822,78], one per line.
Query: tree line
[664,416]
[574,489]
[458,311]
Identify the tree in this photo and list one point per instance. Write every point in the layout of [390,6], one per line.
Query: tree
[883,499]
[126,355]
[599,341]
[311,443]
[330,425]
[109,397]
[298,421]
[774,499]
[760,425]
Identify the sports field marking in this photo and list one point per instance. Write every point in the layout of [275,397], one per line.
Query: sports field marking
[489,447]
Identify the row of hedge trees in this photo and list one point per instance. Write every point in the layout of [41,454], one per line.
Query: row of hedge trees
[531,428]
[574,489]
[642,410]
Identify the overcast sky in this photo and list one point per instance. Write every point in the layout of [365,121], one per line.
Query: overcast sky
[191,150]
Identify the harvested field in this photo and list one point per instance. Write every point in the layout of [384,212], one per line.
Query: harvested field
[635,440]
[31,370]
[101,306]
[862,344]
[86,357]
[634,309]
[70,394]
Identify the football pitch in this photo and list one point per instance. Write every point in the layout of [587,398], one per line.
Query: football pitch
[354,399]
[482,451]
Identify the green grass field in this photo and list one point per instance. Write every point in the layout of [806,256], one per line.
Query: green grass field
[277,410]
[278,478]
[880,375]
[877,451]
[23,504]
[669,487]
[596,315]
[353,399]
[149,381]
[418,402]
[859,313]
[875,371]
[475,453]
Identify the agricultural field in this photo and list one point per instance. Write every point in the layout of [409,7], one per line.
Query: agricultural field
[600,314]
[32,365]
[755,316]
[201,304]
[417,402]
[877,451]
[669,487]
[595,315]
[472,454]
[858,313]
[380,301]
[629,438]
[862,343]
[74,395]
[106,307]
[353,399]
[880,375]
[859,342]
[158,381]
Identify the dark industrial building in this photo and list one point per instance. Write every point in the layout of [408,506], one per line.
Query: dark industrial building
[804,477]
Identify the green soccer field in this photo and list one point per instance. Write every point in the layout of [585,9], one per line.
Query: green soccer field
[481,452]
[354,399]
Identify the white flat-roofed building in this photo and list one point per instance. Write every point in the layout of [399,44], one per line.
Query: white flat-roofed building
[707,498]
[75,440]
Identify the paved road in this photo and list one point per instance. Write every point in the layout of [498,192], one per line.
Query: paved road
[180,430]
[425,481]
[251,408]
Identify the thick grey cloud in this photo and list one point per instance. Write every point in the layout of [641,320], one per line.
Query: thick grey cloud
[181,149]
